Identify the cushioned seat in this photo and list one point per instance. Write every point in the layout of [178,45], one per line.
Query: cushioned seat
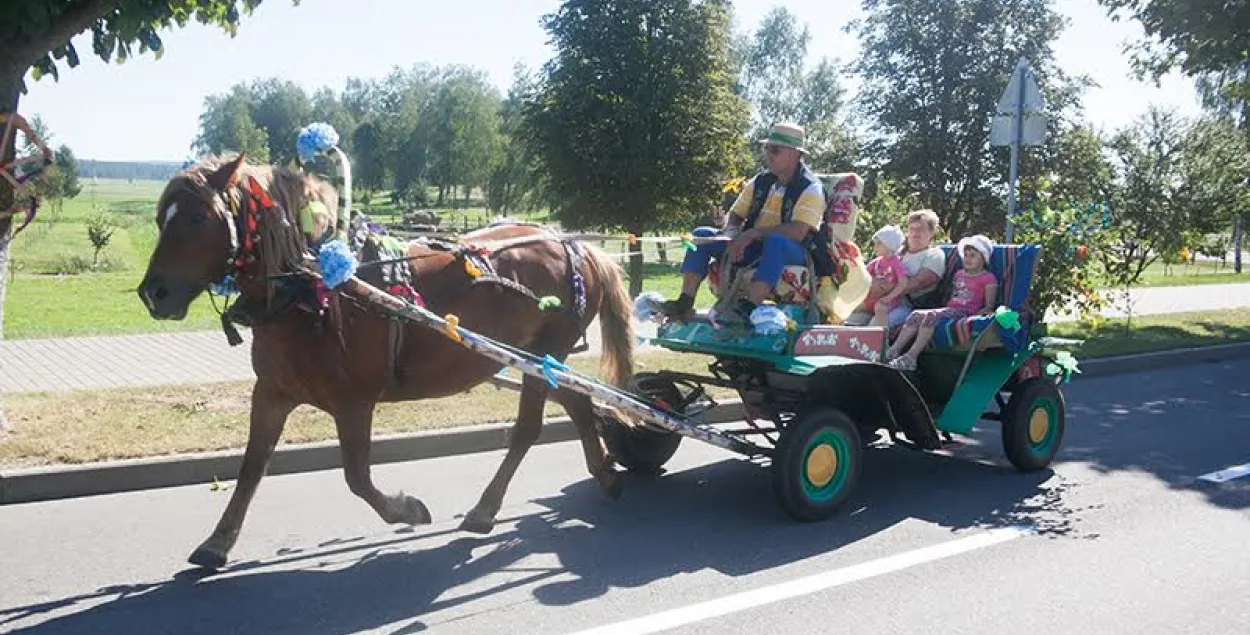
[793,288]
[1014,266]
[796,285]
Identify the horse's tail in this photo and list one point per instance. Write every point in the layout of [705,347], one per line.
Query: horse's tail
[615,323]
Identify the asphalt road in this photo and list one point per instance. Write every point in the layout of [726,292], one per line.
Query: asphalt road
[1120,537]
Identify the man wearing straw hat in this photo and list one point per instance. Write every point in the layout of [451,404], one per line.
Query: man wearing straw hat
[771,221]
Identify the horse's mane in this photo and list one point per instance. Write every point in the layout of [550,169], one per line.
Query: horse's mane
[283,247]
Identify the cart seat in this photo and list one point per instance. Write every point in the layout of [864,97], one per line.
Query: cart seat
[794,287]
[797,286]
[1014,266]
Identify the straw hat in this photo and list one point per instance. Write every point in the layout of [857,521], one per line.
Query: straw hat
[786,135]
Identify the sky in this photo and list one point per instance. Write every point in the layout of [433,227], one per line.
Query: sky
[148,109]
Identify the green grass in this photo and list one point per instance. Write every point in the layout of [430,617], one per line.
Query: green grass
[1158,332]
[1157,275]
[99,425]
[59,289]
[89,304]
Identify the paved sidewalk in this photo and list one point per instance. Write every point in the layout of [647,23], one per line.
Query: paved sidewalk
[203,357]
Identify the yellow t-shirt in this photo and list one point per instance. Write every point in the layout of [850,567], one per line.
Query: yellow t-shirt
[809,209]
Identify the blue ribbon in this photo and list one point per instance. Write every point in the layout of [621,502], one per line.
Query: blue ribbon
[550,366]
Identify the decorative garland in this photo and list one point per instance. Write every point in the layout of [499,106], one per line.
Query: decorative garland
[10,169]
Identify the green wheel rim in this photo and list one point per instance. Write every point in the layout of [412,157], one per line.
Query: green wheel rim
[1043,426]
[825,465]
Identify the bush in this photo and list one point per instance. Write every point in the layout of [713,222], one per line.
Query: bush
[1071,236]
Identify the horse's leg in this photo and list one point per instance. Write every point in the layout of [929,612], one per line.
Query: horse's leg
[355,428]
[582,411]
[529,424]
[270,409]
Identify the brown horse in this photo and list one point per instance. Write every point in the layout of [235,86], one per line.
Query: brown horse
[352,356]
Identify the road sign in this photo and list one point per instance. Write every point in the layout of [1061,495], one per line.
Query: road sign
[1028,95]
[1020,122]
[1002,130]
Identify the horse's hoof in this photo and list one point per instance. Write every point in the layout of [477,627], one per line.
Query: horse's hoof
[207,558]
[414,512]
[476,523]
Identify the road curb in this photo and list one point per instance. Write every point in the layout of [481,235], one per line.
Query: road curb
[1162,359]
[57,482]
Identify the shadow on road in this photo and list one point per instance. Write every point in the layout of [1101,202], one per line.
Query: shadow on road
[1175,425]
[719,516]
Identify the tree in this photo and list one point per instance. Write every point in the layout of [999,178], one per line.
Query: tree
[369,171]
[933,75]
[462,129]
[37,33]
[280,108]
[1149,215]
[635,120]
[772,76]
[1207,39]
[66,164]
[226,125]
[515,182]
[780,88]
[1078,168]
[1215,165]
[405,98]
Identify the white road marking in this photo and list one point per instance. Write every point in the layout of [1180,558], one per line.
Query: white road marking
[1227,474]
[805,586]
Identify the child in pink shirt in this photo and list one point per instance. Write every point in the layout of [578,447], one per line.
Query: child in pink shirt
[975,293]
[889,276]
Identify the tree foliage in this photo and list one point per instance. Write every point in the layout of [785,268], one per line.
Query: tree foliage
[1150,216]
[933,75]
[777,82]
[1215,166]
[635,118]
[1207,39]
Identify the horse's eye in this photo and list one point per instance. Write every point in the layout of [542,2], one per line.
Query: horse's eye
[199,217]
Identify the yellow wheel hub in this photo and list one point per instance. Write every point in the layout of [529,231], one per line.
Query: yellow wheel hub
[1039,425]
[822,463]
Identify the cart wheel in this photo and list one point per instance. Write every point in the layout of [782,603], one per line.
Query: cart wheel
[644,450]
[817,464]
[1033,424]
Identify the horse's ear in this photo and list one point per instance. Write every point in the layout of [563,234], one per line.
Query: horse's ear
[228,174]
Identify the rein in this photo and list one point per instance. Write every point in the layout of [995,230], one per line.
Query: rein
[244,235]
[243,226]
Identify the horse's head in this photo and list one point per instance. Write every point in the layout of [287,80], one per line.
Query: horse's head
[195,239]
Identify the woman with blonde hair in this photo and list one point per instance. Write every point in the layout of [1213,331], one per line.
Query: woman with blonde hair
[925,264]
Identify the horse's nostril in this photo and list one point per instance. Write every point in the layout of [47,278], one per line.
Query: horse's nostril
[160,293]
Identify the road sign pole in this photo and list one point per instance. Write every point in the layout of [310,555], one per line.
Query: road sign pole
[1017,139]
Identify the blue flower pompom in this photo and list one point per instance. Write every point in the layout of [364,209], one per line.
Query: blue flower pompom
[225,288]
[314,138]
[647,306]
[338,263]
[769,320]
